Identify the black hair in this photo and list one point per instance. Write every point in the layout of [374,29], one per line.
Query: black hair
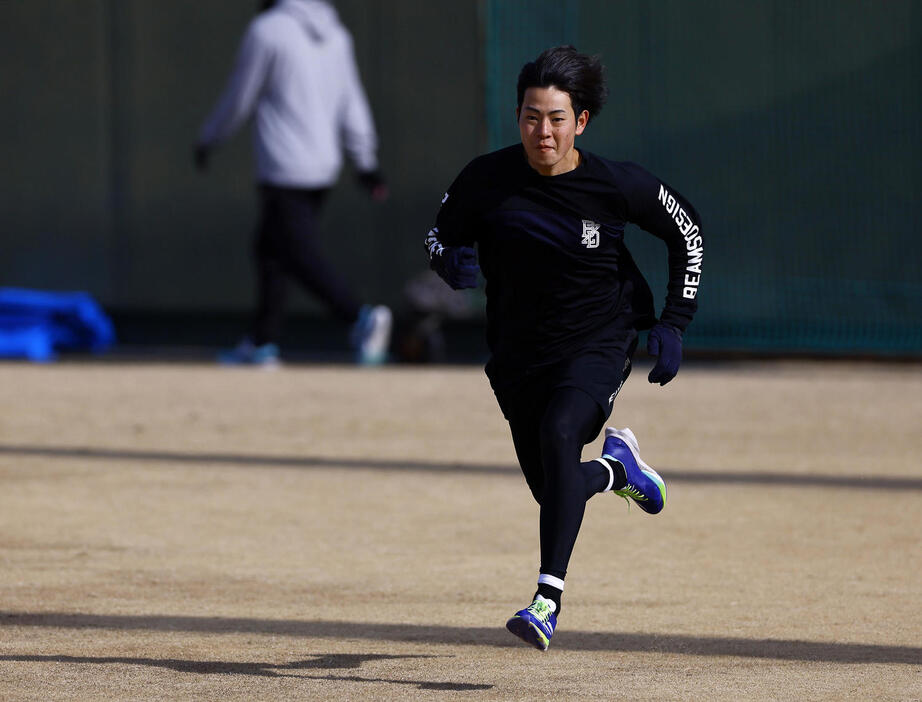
[582,77]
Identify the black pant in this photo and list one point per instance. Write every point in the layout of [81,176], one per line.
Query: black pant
[285,246]
[550,423]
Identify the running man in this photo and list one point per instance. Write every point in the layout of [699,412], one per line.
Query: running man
[565,301]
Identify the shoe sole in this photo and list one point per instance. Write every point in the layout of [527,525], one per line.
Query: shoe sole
[528,632]
[627,436]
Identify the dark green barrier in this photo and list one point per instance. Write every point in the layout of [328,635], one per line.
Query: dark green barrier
[795,129]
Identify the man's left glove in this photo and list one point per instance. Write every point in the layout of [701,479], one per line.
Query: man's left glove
[374,183]
[456,265]
[665,343]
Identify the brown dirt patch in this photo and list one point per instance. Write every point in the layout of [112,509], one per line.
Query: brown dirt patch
[323,532]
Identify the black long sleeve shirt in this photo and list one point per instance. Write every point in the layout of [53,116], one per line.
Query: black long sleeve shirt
[559,279]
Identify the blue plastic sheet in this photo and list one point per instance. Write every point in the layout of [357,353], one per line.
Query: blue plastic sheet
[35,324]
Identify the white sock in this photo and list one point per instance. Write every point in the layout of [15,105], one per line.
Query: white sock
[611,473]
[553,581]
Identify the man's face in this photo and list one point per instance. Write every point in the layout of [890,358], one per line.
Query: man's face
[548,127]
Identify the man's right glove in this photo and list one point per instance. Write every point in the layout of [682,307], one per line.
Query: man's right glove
[665,344]
[456,265]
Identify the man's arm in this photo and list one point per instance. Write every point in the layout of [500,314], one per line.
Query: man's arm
[242,91]
[360,140]
[660,210]
[450,243]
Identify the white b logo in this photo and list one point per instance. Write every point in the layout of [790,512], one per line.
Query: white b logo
[591,234]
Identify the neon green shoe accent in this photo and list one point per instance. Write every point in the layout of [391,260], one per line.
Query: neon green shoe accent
[540,609]
[629,492]
[542,612]
[545,641]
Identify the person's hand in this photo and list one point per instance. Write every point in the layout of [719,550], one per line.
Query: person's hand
[200,155]
[665,343]
[457,266]
[374,183]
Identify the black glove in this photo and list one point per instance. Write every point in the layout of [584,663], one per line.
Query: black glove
[374,183]
[664,342]
[457,266]
[200,156]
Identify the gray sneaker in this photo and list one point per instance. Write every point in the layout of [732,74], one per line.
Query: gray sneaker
[371,335]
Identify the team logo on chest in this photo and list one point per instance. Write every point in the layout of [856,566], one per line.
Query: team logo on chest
[591,234]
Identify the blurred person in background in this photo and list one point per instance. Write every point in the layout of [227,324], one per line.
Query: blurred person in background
[296,71]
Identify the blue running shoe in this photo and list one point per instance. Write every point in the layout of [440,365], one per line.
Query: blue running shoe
[247,354]
[535,624]
[644,485]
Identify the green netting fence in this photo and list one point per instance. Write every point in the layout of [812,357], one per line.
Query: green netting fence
[794,127]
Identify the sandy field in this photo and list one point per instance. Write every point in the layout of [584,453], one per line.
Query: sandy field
[183,531]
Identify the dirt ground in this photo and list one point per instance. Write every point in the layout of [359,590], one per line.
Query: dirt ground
[175,531]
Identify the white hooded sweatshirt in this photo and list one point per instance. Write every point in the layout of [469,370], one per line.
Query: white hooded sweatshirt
[297,68]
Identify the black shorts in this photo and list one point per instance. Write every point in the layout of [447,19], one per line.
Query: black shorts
[599,373]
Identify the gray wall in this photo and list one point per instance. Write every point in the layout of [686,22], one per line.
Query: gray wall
[103,99]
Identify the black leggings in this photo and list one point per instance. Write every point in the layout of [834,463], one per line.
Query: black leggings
[549,435]
[285,247]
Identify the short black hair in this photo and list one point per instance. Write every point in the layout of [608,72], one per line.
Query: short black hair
[582,77]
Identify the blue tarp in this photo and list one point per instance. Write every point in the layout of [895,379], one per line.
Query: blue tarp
[35,324]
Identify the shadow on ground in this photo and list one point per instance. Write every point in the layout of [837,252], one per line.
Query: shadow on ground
[319,662]
[798,481]
[779,649]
